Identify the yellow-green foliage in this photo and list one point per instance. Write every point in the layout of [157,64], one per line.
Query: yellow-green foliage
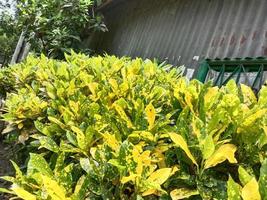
[116,128]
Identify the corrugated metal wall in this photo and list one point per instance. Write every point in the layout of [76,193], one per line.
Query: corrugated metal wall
[183,29]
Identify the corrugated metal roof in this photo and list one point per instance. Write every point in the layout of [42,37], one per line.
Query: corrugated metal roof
[181,30]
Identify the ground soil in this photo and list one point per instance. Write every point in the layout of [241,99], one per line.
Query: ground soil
[5,167]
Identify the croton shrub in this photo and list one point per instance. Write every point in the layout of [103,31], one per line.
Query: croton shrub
[116,128]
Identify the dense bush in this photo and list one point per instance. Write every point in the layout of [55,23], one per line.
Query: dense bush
[110,128]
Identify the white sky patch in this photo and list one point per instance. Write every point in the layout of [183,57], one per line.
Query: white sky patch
[10,10]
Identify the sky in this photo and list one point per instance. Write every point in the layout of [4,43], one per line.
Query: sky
[11,10]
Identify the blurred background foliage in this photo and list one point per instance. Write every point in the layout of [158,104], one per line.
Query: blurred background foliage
[51,27]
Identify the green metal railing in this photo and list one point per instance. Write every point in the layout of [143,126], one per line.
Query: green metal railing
[226,69]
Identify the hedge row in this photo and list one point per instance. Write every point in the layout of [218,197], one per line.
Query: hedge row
[116,128]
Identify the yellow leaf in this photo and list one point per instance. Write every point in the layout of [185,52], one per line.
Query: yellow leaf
[126,179]
[197,124]
[114,85]
[157,178]
[225,152]
[179,141]
[160,176]
[111,141]
[93,152]
[20,126]
[145,157]
[248,95]
[139,167]
[265,130]
[251,191]
[174,169]
[72,87]
[76,130]
[144,135]
[124,87]
[142,160]
[92,87]
[74,106]
[188,100]
[252,118]
[56,121]
[21,193]
[79,185]
[210,96]
[149,192]
[158,154]
[123,115]
[54,189]
[151,115]
[82,142]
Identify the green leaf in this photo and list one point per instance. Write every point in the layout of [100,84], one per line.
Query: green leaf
[19,174]
[263,180]
[116,163]
[72,138]
[39,126]
[47,143]
[81,188]
[81,139]
[3,190]
[244,176]
[9,178]
[233,190]
[208,147]
[263,96]
[39,164]
[183,193]
[85,164]
[56,121]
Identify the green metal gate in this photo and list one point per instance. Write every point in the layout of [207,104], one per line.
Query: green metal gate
[249,71]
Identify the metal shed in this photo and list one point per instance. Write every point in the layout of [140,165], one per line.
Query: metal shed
[184,32]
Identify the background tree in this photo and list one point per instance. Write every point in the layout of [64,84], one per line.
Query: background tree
[55,27]
[9,31]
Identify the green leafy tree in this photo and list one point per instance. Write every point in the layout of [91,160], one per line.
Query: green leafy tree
[9,34]
[55,26]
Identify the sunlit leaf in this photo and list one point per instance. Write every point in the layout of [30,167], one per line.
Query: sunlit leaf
[39,164]
[22,193]
[54,189]
[251,190]
[225,152]
[123,115]
[248,95]
[179,141]
[160,176]
[151,115]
